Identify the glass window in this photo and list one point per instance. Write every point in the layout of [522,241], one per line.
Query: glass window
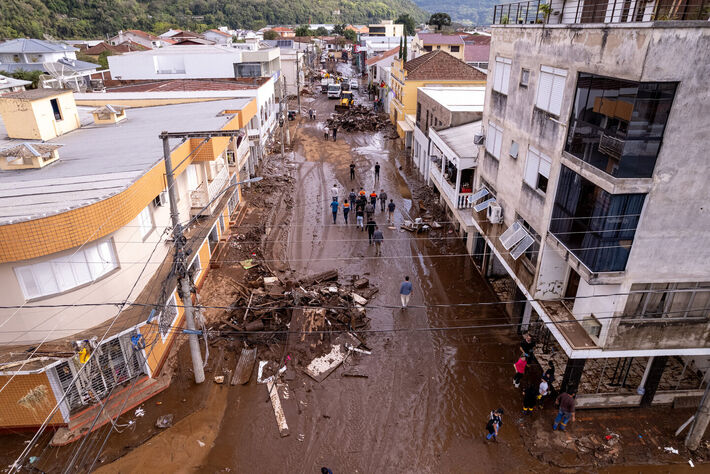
[537,169]
[597,227]
[550,89]
[494,139]
[67,272]
[514,150]
[617,125]
[668,300]
[247,70]
[145,222]
[455,49]
[524,77]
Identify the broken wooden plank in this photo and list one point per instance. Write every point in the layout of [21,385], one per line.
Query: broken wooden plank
[245,367]
[330,275]
[321,367]
[248,305]
[361,283]
[278,410]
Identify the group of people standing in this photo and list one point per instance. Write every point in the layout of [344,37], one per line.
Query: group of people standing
[535,393]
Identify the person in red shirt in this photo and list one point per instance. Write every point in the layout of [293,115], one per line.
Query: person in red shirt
[519,370]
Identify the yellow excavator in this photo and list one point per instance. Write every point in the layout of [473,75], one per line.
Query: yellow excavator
[345,102]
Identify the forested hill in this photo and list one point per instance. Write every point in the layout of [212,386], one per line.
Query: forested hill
[476,12]
[96,18]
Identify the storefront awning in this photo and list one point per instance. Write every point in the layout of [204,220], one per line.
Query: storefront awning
[405,126]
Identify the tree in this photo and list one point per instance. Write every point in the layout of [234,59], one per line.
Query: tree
[271,35]
[350,35]
[440,19]
[322,31]
[404,53]
[408,22]
[339,29]
[304,30]
[401,48]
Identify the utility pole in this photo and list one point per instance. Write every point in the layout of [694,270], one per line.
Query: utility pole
[702,417]
[298,80]
[288,133]
[282,118]
[180,264]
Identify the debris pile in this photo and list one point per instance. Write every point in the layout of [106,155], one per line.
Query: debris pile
[359,118]
[267,309]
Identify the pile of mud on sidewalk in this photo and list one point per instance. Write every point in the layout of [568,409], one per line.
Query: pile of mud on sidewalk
[302,317]
[359,118]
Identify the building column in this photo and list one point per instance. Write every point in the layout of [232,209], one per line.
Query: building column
[519,309]
[527,314]
[657,366]
[573,374]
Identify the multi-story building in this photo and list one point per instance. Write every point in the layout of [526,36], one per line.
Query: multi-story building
[386,28]
[440,108]
[427,42]
[57,60]
[85,221]
[437,68]
[218,36]
[591,192]
[477,49]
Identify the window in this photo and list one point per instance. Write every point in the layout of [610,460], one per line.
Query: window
[524,77]
[167,317]
[231,159]
[550,89]
[68,271]
[221,223]
[169,64]
[514,150]
[501,76]
[247,69]
[592,325]
[597,227]
[668,300]
[532,252]
[55,109]
[617,126]
[192,180]
[145,222]
[419,112]
[455,49]
[537,169]
[494,139]
[427,48]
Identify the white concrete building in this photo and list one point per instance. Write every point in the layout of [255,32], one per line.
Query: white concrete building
[593,192]
[386,28]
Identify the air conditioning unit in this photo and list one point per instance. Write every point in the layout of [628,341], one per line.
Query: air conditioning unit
[161,199]
[479,139]
[495,213]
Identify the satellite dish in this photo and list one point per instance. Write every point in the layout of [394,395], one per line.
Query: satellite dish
[63,74]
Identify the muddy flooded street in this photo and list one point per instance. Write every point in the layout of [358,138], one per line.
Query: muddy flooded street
[424,393]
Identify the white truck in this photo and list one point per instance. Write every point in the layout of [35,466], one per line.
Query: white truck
[334,91]
[324,83]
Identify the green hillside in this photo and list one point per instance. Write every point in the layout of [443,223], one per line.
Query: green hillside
[95,18]
[476,12]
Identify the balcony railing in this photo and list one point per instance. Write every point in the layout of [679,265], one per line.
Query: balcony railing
[599,11]
[207,191]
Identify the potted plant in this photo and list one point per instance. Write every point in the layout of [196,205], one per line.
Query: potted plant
[504,20]
[545,9]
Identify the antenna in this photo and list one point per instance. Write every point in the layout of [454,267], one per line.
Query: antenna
[63,74]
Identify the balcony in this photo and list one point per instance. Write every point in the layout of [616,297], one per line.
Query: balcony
[561,316]
[207,191]
[597,11]
[446,182]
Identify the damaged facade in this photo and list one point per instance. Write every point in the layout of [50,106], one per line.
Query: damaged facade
[92,226]
[590,199]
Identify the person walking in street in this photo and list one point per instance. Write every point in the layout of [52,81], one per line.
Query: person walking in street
[352,170]
[390,211]
[334,192]
[377,171]
[326,135]
[529,399]
[346,210]
[359,215]
[335,133]
[378,238]
[373,198]
[549,374]
[352,196]
[369,210]
[527,345]
[566,402]
[405,292]
[543,390]
[495,421]
[334,206]
[519,370]
[362,192]
[383,200]
[315,115]
[371,224]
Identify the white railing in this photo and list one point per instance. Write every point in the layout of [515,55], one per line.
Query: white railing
[199,197]
[463,202]
[242,152]
[218,182]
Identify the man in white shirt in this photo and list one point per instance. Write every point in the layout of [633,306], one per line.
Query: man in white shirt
[543,391]
[334,192]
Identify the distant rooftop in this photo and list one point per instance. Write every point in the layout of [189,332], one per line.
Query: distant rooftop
[439,38]
[385,55]
[99,161]
[440,65]
[30,45]
[35,94]
[189,49]
[9,82]
[192,85]
[457,99]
